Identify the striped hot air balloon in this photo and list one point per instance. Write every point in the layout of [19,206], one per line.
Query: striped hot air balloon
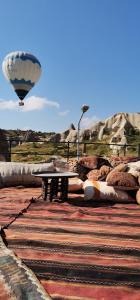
[22,70]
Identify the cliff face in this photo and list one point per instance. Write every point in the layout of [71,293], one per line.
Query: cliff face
[119,126]
[114,129]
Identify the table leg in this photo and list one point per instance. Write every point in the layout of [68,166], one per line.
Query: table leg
[53,188]
[44,188]
[64,188]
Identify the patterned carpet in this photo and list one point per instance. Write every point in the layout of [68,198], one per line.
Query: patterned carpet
[14,201]
[78,250]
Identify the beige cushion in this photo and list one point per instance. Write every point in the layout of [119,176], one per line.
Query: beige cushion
[13,174]
[122,167]
[134,165]
[99,190]
[134,169]
[138,196]
[75,184]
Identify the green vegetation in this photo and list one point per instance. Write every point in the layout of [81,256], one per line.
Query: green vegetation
[37,152]
[133,139]
[98,149]
[42,151]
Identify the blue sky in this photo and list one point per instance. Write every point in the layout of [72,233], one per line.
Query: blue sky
[90,54]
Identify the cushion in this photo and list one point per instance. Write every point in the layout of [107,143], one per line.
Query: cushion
[105,170]
[90,162]
[134,166]
[75,184]
[122,167]
[72,163]
[115,160]
[94,175]
[138,196]
[61,165]
[93,162]
[99,174]
[134,173]
[99,190]
[14,174]
[121,179]
[82,171]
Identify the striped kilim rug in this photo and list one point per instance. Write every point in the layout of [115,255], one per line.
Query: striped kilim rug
[13,202]
[80,251]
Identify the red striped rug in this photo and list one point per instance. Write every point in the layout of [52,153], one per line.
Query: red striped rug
[14,201]
[80,251]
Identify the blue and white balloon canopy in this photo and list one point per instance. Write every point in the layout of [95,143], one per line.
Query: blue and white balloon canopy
[22,70]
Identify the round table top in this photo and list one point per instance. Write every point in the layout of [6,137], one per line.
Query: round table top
[55,174]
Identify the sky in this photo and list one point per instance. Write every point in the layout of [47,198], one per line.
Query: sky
[89,51]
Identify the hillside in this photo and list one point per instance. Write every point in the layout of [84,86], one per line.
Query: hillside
[121,128]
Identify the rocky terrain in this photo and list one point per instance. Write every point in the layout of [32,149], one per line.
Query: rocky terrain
[114,129]
[122,128]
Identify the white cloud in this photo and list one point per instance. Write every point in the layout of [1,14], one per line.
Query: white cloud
[38,103]
[8,105]
[64,113]
[30,104]
[87,122]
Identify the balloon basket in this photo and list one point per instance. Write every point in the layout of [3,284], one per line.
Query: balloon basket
[21,103]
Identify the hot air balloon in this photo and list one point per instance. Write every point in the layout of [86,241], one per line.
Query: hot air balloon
[22,70]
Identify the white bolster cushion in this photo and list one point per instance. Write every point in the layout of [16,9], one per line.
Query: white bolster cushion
[99,190]
[14,173]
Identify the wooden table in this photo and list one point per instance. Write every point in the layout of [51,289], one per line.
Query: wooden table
[54,182]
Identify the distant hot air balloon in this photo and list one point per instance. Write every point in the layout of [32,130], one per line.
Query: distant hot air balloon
[22,70]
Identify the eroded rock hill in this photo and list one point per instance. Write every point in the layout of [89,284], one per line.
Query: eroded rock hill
[114,130]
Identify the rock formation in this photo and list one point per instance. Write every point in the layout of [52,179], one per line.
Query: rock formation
[114,129]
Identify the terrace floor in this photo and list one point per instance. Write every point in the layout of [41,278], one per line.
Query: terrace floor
[78,250]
